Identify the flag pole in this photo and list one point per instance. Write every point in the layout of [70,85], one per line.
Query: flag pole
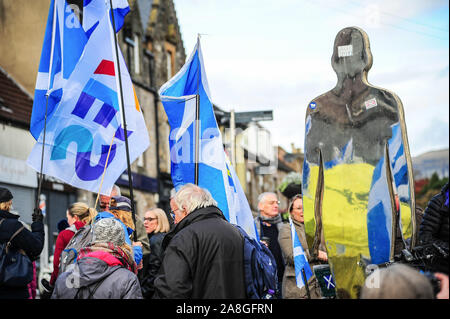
[197,119]
[46,105]
[130,182]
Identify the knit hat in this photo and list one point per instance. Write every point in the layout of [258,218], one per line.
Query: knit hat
[5,195]
[120,203]
[109,230]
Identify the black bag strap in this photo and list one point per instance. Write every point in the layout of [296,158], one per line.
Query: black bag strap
[8,244]
[13,236]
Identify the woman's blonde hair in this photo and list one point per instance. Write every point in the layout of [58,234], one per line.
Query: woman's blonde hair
[163,222]
[125,217]
[6,205]
[82,211]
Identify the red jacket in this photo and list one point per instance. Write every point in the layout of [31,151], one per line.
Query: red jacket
[61,242]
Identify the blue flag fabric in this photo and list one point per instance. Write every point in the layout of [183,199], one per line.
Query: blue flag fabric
[300,261]
[85,133]
[216,174]
[64,42]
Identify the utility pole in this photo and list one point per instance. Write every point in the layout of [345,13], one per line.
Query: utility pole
[233,138]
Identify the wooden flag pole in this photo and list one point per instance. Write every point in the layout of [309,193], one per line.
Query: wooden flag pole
[130,181]
[104,172]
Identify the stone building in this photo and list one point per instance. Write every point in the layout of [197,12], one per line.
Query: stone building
[151,43]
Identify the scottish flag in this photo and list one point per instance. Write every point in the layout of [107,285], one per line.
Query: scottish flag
[379,215]
[67,32]
[179,99]
[93,11]
[85,133]
[300,260]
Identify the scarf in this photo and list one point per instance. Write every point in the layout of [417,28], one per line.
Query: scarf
[125,259]
[271,220]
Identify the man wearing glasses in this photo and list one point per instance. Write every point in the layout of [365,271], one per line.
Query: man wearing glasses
[269,223]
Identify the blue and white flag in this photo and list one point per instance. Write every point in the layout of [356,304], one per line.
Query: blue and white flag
[93,11]
[86,129]
[64,42]
[178,96]
[300,260]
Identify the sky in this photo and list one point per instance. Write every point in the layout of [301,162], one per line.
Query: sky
[275,55]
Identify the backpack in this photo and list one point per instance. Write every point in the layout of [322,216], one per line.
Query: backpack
[82,238]
[16,269]
[260,269]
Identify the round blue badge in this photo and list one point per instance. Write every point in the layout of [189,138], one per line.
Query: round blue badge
[312,105]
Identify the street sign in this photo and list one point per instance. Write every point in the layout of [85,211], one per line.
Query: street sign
[246,117]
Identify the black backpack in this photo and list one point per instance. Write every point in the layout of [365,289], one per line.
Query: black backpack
[260,269]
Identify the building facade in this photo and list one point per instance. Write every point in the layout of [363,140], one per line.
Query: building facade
[151,44]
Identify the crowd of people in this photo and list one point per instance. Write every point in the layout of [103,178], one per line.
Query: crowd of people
[193,252]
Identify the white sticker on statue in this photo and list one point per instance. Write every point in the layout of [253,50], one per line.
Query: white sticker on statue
[345,50]
[370,103]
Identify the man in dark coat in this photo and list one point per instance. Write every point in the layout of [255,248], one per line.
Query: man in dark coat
[435,224]
[29,242]
[203,254]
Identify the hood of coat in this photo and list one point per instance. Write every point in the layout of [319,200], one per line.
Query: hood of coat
[193,217]
[94,267]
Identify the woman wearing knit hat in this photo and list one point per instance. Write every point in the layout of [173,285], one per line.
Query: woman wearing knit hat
[104,270]
[29,242]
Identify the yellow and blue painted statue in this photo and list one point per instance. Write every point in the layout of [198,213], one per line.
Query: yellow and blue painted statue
[357,161]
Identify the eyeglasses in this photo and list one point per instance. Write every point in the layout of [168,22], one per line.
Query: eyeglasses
[273,202]
[149,219]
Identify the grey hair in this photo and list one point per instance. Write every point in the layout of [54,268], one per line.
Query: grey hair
[397,282]
[117,189]
[192,197]
[262,196]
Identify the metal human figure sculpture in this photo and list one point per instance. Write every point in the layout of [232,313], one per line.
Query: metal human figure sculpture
[357,160]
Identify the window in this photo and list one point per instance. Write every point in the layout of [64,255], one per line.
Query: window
[137,69]
[170,59]
[140,160]
[169,64]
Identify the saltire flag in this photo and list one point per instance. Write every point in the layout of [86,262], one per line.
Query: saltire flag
[300,260]
[80,132]
[379,215]
[67,31]
[93,11]
[178,96]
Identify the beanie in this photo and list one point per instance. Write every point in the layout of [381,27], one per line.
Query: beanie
[5,195]
[109,230]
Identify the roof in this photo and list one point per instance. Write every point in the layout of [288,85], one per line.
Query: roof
[145,6]
[15,103]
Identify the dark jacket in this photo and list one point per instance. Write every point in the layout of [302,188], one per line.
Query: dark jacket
[31,242]
[435,224]
[203,258]
[99,269]
[154,263]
